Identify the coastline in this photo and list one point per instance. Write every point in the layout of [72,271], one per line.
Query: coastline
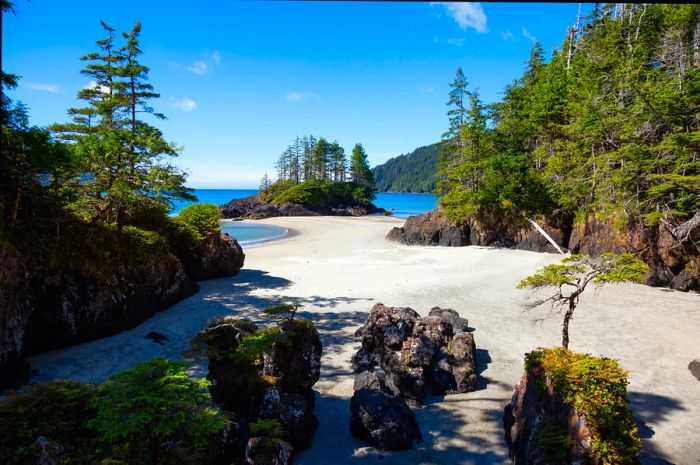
[336,268]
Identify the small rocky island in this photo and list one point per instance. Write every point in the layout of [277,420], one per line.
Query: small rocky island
[254,208]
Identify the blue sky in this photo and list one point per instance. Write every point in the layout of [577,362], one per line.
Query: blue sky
[239,80]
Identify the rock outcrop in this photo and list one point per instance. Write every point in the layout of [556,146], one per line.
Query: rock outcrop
[671,264]
[541,427]
[433,228]
[46,308]
[274,385]
[403,357]
[252,208]
[383,420]
[408,356]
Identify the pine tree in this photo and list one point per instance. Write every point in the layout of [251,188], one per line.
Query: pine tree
[265,183]
[338,162]
[119,154]
[359,168]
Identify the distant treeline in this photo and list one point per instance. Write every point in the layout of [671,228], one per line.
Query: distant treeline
[412,172]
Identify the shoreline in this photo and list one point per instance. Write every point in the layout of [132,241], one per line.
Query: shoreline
[337,268]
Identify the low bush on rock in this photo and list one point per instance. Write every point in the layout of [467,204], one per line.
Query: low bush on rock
[569,407]
[199,220]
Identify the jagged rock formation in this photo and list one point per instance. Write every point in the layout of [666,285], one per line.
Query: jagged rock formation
[433,228]
[383,420]
[49,308]
[403,357]
[271,386]
[672,264]
[252,208]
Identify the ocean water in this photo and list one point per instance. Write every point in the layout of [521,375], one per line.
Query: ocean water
[400,205]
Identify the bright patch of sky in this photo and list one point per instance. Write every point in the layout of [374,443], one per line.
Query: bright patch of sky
[239,80]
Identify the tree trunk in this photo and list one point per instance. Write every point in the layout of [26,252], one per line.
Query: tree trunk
[15,208]
[565,326]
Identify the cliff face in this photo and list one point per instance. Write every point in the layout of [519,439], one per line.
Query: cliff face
[433,228]
[671,265]
[45,309]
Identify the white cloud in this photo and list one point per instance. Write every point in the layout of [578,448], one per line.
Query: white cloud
[467,15]
[216,58]
[457,42]
[53,88]
[428,89]
[198,67]
[295,96]
[184,104]
[507,35]
[528,36]
[93,85]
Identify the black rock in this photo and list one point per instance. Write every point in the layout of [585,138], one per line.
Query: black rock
[383,420]
[157,337]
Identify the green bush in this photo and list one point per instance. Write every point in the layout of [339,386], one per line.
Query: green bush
[275,189]
[312,193]
[597,388]
[155,414]
[57,411]
[199,221]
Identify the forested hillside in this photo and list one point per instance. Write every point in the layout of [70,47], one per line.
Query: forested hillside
[411,172]
[607,127]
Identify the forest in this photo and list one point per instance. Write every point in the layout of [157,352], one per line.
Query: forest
[607,126]
[412,172]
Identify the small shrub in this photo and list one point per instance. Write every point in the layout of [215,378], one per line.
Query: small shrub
[58,411]
[553,442]
[154,412]
[199,221]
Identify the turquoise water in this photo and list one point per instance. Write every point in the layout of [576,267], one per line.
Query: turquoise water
[400,205]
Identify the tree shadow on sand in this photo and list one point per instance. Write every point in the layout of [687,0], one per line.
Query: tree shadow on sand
[442,442]
[649,410]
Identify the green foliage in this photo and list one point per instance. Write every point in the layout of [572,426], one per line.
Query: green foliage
[286,310]
[553,443]
[607,125]
[57,411]
[413,172]
[622,268]
[254,346]
[359,168]
[597,388]
[200,220]
[275,189]
[312,193]
[269,428]
[153,412]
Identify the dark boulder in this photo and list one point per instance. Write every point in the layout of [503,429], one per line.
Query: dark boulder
[694,368]
[385,421]
[296,361]
[276,384]
[388,327]
[218,256]
[405,354]
[431,228]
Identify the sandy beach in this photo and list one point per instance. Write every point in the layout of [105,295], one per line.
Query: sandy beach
[338,267]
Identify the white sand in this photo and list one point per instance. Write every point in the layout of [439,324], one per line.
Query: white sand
[338,267]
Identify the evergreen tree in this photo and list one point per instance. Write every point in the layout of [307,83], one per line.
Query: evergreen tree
[321,159]
[265,183]
[119,154]
[338,162]
[359,168]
